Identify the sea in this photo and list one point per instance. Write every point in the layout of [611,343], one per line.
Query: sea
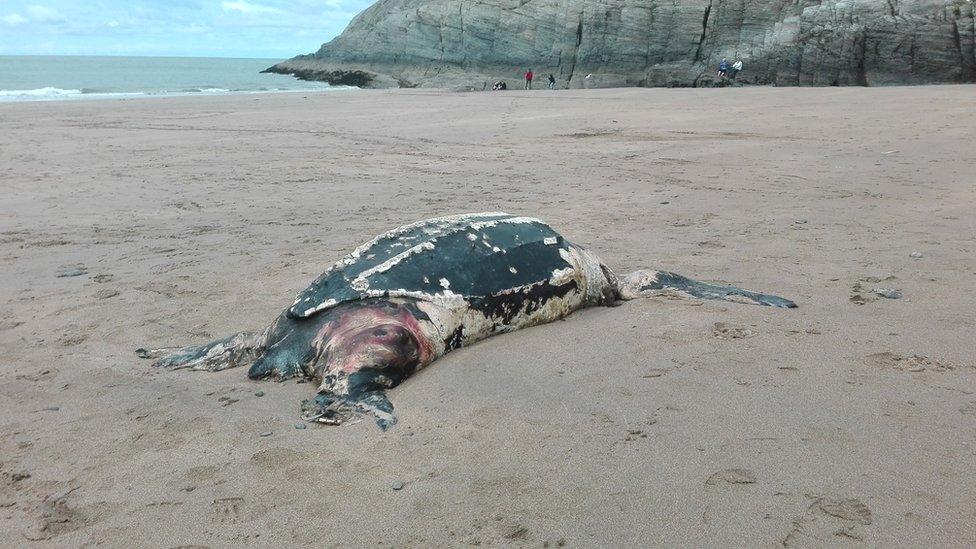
[60,78]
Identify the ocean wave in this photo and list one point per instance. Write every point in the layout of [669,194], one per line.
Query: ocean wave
[51,93]
[39,92]
[203,89]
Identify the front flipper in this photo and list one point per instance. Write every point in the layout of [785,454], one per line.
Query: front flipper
[228,352]
[331,409]
[648,283]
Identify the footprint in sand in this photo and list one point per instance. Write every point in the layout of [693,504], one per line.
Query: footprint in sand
[731,477]
[227,510]
[106,293]
[9,324]
[71,339]
[54,517]
[864,291]
[723,331]
[278,460]
[829,520]
[195,477]
[915,363]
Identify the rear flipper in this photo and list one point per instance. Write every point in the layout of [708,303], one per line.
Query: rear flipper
[236,350]
[648,283]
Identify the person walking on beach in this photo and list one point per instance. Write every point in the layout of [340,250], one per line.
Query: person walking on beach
[552,82]
[736,67]
[528,79]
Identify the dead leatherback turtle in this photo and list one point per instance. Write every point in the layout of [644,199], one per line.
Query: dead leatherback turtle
[407,297]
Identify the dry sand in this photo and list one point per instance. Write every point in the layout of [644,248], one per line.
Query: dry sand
[660,422]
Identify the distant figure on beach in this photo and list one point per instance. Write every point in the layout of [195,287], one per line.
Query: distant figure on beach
[736,67]
[723,68]
[552,82]
[528,79]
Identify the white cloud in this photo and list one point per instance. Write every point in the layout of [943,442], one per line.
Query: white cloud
[335,4]
[14,19]
[247,7]
[42,14]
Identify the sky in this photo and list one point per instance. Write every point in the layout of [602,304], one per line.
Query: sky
[271,29]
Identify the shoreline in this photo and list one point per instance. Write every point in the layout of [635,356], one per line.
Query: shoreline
[127,97]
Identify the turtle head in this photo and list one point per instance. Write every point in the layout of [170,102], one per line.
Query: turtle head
[365,348]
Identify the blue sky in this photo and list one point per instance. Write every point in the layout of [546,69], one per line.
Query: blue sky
[219,28]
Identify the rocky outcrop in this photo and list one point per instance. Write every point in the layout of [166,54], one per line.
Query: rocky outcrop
[470,43]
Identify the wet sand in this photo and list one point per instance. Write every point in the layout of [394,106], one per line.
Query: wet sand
[851,420]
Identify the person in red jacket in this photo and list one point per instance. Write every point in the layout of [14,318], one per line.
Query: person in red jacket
[528,79]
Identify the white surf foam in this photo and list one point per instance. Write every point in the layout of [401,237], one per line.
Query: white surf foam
[39,92]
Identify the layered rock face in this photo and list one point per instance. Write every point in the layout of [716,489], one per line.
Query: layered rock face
[471,43]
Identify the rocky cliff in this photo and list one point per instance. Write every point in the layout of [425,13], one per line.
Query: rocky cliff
[467,43]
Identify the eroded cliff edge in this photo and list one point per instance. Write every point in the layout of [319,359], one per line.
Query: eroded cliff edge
[468,43]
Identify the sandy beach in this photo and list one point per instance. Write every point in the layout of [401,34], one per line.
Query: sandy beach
[662,422]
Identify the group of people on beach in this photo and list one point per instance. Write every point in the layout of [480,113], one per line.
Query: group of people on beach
[529,76]
[728,71]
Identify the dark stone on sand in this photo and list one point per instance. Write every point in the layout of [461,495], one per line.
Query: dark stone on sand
[65,272]
[888,294]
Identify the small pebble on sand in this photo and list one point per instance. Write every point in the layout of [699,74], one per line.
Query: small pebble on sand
[300,426]
[266,434]
[259,393]
[397,486]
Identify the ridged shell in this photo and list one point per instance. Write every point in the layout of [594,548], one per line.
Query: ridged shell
[468,256]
